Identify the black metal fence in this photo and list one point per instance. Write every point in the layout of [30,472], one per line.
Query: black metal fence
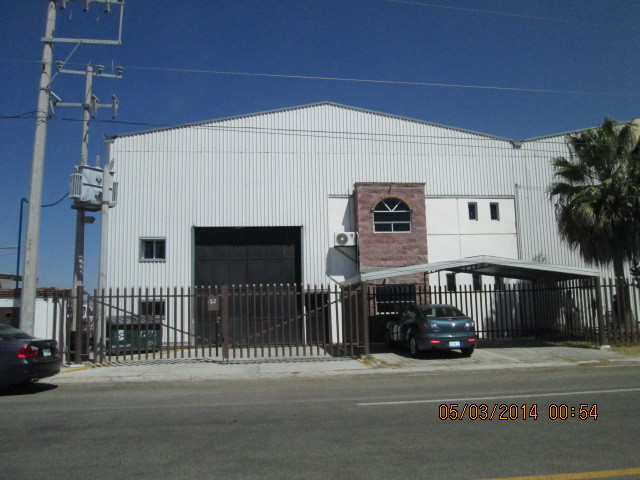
[255,321]
[228,322]
[560,311]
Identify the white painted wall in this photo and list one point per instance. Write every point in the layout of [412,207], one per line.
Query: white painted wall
[341,261]
[452,235]
[44,316]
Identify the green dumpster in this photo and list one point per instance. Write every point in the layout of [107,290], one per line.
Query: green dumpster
[134,333]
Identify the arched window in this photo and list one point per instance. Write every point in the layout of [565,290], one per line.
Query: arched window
[391,215]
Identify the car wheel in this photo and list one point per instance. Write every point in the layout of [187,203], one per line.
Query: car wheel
[413,347]
[467,352]
[387,339]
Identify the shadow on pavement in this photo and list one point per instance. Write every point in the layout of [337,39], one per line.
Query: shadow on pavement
[30,389]
[483,343]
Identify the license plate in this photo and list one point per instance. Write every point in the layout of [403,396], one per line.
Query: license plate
[454,344]
[46,352]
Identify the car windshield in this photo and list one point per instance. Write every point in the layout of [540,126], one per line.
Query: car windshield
[442,311]
[10,333]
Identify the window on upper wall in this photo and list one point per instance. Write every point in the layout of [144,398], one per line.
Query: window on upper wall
[392,215]
[451,282]
[477,282]
[473,210]
[153,250]
[494,208]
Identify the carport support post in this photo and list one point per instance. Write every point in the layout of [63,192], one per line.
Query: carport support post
[602,337]
[364,308]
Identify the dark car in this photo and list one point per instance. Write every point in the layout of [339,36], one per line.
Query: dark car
[24,359]
[432,327]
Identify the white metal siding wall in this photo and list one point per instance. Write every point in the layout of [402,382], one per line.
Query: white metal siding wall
[537,227]
[279,169]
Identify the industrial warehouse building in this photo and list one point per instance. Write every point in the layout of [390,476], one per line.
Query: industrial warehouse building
[302,229]
[317,194]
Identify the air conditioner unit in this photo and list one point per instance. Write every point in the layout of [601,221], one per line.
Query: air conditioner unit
[345,239]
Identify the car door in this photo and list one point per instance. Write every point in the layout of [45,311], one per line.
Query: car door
[396,328]
[405,327]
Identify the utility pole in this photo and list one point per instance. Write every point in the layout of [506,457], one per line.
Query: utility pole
[46,99]
[87,187]
[30,275]
[104,233]
[78,258]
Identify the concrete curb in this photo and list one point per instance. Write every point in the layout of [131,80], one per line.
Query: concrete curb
[397,362]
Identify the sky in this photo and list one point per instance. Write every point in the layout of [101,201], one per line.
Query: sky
[511,68]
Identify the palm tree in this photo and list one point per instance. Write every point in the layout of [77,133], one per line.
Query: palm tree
[598,196]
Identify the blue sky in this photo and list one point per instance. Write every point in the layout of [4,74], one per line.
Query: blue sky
[552,65]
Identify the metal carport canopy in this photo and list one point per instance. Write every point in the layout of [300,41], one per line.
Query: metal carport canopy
[485,265]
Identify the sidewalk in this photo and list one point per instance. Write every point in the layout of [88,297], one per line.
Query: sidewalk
[493,355]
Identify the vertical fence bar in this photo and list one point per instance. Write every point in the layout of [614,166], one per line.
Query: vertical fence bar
[56,298]
[267,297]
[602,334]
[315,338]
[634,309]
[237,319]
[304,311]
[249,302]
[282,319]
[113,333]
[252,320]
[224,305]
[364,318]
[213,309]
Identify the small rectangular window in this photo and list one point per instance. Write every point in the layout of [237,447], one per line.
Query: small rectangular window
[499,284]
[152,308]
[152,249]
[451,282]
[494,207]
[473,210]
[477,282]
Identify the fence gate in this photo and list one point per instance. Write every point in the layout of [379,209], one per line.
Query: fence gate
[227,322]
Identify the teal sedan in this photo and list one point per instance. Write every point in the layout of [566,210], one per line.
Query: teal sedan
[432,327]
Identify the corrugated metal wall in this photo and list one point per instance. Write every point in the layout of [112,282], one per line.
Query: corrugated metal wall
[279,168]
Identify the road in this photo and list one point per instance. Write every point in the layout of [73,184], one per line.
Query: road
[384,426]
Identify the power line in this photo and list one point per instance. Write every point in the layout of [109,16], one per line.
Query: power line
[518,15]
[389,82]
[346,135]
[372,81]
[26,115]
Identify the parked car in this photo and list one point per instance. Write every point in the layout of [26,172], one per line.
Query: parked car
[24,359]
[432,327]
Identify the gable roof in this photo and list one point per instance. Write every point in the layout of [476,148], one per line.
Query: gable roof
[302,107]
[516,142]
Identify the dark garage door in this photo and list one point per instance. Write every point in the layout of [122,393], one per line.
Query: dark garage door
[247,256]
[240,256]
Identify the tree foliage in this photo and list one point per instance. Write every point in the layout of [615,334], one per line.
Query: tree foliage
[598,194]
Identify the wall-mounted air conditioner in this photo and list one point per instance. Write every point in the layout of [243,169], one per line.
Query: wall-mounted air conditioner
[345,239]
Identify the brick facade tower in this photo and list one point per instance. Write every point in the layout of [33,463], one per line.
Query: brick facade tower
[398,245]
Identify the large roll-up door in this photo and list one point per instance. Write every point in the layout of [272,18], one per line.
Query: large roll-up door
[248,255]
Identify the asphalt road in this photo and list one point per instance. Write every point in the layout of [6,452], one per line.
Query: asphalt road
[372,426]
